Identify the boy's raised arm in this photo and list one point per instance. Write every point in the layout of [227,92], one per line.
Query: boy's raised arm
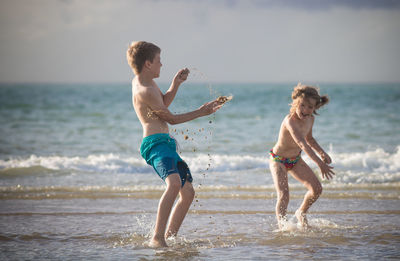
[179,78]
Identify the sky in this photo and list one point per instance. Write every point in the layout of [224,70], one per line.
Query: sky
[72,41]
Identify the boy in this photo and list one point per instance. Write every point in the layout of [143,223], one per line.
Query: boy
[158,148]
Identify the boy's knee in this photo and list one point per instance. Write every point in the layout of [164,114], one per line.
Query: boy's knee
[192,193]
[188,193]
[174,184]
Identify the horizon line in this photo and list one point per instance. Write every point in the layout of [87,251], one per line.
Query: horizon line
[194,82]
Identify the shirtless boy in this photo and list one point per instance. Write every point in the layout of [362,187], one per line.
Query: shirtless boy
[158,148]
[295,136]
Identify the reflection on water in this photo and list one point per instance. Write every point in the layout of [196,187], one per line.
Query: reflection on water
[341,228]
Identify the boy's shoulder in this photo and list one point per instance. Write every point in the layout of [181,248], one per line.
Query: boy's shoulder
[146,93]
[140,88]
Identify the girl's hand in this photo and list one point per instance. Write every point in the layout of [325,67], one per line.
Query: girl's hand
[325,157]
[326,170]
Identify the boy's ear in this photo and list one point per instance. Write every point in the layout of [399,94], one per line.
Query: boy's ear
[147,64]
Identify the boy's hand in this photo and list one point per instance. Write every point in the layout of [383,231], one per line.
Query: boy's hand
[210,107]
[325,157]
[326,170]
[181,76]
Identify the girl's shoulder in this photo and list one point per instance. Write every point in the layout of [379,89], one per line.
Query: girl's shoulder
[290,119]
[286,119]
[288,122]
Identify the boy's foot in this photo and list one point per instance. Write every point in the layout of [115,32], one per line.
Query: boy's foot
[157,243]
[302,219]
[282,222]
[170,235]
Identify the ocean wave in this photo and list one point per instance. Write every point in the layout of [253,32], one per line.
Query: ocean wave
[103,163]
[374,166]
[112,163]
[377,161]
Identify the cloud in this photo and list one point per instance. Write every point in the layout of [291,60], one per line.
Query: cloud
[85,41]
[315,4]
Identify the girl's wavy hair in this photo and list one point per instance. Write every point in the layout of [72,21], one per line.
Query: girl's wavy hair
[307,92]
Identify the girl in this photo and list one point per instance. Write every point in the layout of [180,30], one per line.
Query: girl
[295,136]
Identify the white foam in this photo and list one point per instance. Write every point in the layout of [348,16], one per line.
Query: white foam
[370,161]
[374,166]
[222,163]
[104,163]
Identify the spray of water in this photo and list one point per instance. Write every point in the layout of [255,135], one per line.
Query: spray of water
[197,138]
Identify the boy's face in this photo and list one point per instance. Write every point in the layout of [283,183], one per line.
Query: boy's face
[156,65]
[305,108]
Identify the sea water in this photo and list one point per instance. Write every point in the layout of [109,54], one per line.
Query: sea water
[73,185]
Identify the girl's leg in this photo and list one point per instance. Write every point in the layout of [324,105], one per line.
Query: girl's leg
[279,175]
[303,173]
[186,195]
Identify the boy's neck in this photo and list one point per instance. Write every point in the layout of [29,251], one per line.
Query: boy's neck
[145,78]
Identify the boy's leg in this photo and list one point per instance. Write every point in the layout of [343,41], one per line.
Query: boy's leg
[303,173]
[279,175]
[186,195]
[164,209]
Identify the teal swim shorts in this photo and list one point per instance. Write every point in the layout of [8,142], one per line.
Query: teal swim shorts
[159,151]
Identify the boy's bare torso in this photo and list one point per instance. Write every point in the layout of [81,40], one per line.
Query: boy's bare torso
[150,122]
[286,145]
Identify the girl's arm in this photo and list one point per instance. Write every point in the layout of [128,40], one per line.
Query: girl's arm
[294,130]
[301,141]
[314,144]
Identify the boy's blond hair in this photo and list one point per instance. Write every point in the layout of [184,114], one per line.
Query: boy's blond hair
[140,52]
[307,92]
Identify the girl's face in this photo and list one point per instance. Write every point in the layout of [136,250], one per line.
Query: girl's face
[305,108]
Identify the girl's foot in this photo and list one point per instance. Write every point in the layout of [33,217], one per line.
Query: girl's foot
[302,219]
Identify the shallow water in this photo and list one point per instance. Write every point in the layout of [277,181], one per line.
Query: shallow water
[228,227]
[74,187]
